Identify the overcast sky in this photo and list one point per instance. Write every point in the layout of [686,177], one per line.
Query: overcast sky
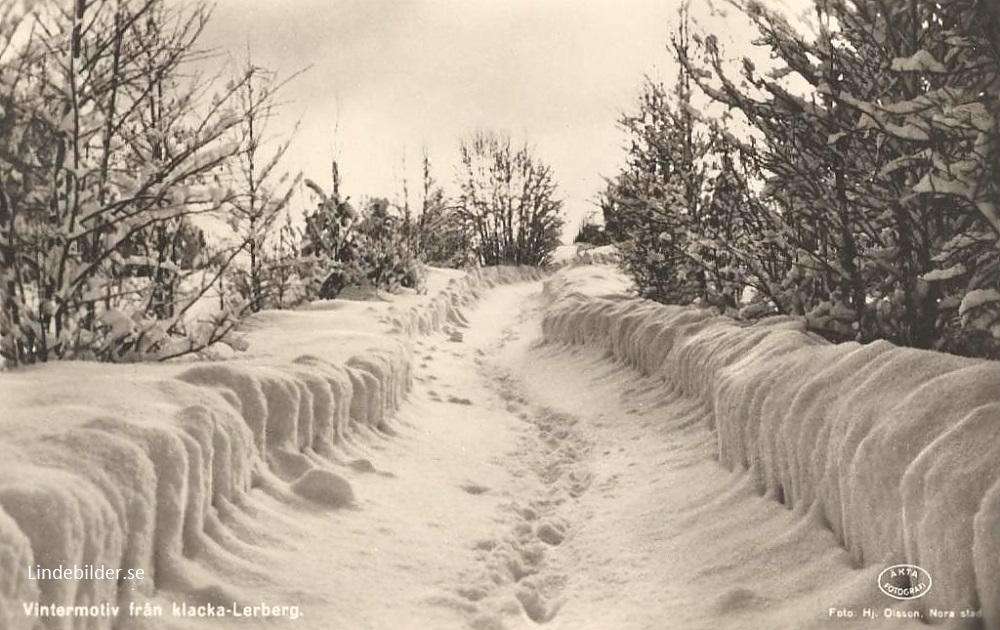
[389,77]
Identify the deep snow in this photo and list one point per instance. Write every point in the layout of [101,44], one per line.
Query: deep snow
[496,454]
[892,449]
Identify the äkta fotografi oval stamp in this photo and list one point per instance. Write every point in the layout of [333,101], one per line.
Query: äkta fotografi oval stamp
[904,581]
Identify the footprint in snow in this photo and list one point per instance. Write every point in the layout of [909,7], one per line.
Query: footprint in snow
[739,599]
[551,534]
[475,488]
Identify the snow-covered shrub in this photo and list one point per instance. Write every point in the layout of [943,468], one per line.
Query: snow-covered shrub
[444,239]
[329,248]
[108,152]
[439,235]
[385,259]
[342,247]
[682,209]
[862,186]
[281,274]
[508,201]
[592,233]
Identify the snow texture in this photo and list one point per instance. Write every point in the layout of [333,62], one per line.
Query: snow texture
[978,298]
[585,254]
[920,61]
[893,449]
[142,467]
[446,308]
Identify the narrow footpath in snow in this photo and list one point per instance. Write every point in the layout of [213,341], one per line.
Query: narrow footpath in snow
[524,483]
[532,484]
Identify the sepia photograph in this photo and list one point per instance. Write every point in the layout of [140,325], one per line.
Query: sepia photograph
[499,314]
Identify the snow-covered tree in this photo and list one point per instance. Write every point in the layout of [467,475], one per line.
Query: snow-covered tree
[591,232]
[111,147]
[441,235]
[655,205]
[880,173]
[342,247]
[508,200]
[261,190]
[329,244]
[385,258]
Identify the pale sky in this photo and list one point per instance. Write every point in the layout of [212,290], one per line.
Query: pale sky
[389,77]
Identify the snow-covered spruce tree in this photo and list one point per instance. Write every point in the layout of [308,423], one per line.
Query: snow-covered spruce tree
[923,119]
[110,150]
[508,201]
[657,204]
[947,119]
[341,247]
[284,271]
[850,163]
[329,245]
[385,259]
[647,204]
[805,187]
[261,192]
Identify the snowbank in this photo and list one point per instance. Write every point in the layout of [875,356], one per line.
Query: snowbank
[585,254]
[586,280]
[445,309]
[148,467]
[894,449]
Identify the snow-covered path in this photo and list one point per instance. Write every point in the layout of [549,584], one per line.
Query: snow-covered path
[649,531]
[432,500]
[537,484]
[664,537]
[522,484]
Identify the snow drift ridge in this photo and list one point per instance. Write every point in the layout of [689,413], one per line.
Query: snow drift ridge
[893,449]
[160,486]
[446,307]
